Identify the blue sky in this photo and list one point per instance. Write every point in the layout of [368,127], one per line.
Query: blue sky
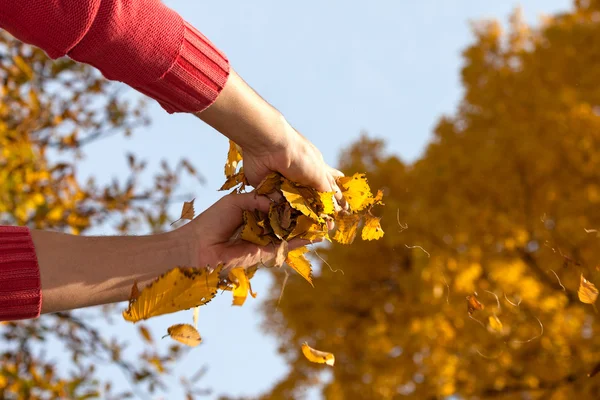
[334,69]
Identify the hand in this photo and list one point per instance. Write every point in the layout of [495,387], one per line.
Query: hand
[211,234]
[294,157]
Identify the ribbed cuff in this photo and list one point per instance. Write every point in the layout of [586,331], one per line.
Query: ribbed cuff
[20,285]
[195,79]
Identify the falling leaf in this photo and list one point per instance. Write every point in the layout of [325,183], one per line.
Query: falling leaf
[372,228]
[251,231]
[299,263]
[494,323]
[186,334]
[178,289]
[145,334]
[473,304]
[297,201]
[234,156]
[187,211]
[317,356]
[347,226]
[269,184]
[356,191]
[195,317]
[238,277]
[281,254]
[587,291]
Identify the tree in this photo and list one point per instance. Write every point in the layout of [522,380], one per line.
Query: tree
[50,112]
[496,209]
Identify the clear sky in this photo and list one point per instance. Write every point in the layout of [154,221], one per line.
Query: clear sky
[334,69]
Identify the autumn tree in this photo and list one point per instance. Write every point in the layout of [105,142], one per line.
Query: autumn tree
[51,112]
[473,291]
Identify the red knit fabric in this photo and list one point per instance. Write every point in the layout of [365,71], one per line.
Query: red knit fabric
[142,43]
[20,286]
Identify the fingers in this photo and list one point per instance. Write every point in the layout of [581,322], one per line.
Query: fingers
[340,203]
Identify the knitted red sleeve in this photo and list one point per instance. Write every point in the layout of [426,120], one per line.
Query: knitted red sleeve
[142,43]
[20,286]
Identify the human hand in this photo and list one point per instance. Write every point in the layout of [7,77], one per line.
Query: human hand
[210,234]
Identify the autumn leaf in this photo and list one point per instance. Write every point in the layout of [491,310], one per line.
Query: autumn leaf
[372,228]
[281,254]
[317,356]
[251,231]
[356,191]
[178,289]
[494,323]
[588,293]
[299,263]
[269,184]
[234,156]
[234,180]
[473,304]
[326,202]
[145,333]
[241,285]
[186,334]
[187,211]
[346,228]
[275,221]
[297,201]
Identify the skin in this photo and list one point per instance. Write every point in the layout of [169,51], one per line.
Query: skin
[78,271]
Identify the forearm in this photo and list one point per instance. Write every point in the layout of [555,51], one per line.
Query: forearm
[79,271]
[246,118]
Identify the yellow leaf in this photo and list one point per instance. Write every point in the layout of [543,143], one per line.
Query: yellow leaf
[269,184]
[178,289]
[297,201]
[347,227]
[299,263]
[195,317]
[308,229]
[234,156]
[326,202]
[317,356]
[356,191]
[145,334]
[587,291]
[494,323]
[235,180]
[281,255]
[372,228]
[187,212]
[251,231]
[186,334]
[274,221]
[239,279]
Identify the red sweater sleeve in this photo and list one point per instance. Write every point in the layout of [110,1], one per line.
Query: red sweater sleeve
[142,43]
[20,287]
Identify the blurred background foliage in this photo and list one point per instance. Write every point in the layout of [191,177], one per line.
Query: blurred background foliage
[503,205]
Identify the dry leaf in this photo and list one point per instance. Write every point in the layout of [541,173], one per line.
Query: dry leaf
[187,212]
[135,292]
[494,323]
[251,231]
[234,156]
[356,191]
[297,201]
[239,279]
[587,291]
[473,304]
[326,202]
[317,356]
[234,180]
[299,263]
[195,317]
[372,228]
[286,216]
[274,221]
[281,255]
[145,334]
[269,184]
[179,289]
[347,226]
[186,334]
